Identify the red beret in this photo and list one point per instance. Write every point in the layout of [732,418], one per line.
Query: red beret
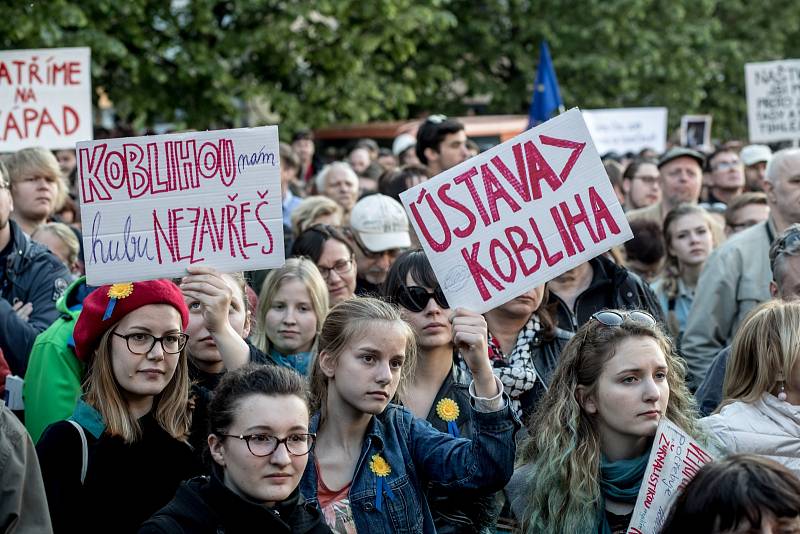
[100,313]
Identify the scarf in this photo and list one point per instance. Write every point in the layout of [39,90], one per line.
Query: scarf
[300,362]
[515,370]
[620,481]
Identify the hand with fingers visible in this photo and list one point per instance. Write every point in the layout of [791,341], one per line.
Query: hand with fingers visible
[23,309]
[206,287]
[470,336]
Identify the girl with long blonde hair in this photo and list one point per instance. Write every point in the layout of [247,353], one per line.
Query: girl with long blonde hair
[582,466]
[374,461]
[291,308]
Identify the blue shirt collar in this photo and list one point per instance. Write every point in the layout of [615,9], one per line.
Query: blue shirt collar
[89,418]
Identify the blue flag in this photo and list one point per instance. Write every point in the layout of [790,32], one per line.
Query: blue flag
[546,96]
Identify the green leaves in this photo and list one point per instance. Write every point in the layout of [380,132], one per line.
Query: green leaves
[207,63]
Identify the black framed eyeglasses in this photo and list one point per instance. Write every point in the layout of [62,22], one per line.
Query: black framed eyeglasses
[263,444]
[416,298]
[617,318]
[341,267]
[142,343]
[788,241]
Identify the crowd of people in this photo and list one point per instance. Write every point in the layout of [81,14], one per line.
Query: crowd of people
[342,393]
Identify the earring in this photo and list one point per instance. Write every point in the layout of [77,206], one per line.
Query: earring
[782,392]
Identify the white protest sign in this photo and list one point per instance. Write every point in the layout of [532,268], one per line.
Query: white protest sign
[153,205]
[515,216]
[627,129]
[45,98]
[773,100]
[674,460]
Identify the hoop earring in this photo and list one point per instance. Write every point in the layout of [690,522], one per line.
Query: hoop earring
[782,392]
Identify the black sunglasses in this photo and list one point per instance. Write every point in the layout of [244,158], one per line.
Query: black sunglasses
[616,318]
[416,298]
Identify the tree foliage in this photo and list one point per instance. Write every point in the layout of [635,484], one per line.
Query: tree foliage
[203,63]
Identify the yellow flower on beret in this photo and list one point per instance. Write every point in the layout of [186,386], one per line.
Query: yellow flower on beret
[379,466]
[447,410]
[120,291]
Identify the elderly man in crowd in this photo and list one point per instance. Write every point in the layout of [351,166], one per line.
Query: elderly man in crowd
[339,182]
[680,177]
[379,229]
[736,278]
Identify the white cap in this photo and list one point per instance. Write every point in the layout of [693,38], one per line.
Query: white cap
[402,143]
[380,223]
[752,154]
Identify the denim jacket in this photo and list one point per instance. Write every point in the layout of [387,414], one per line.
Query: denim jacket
[419,454]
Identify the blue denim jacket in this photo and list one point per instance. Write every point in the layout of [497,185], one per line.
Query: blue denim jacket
[417,454]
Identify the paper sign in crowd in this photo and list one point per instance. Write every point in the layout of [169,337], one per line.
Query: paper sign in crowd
[773,100]
[627,129]
[45,98]
[517,215]
[674,460]
[153,205]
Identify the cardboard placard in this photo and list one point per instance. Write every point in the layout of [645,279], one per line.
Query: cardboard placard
[45,98]
[773,100]
[674,460]
[627,129]
[515,216]
[153,205]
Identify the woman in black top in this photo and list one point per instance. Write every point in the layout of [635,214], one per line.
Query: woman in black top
[259,442]
[124,450]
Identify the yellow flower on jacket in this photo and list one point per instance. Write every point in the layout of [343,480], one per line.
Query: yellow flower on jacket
[120,291]
[447,409]
[379,466]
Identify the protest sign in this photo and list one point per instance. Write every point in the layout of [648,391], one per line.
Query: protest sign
[627,129]
[153,205]
[674,460]
[45,98]
[773,100]
[517,215]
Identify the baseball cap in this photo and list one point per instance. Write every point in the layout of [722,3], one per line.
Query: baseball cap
[681,152]
[752,154]
[380,223]
[402,143]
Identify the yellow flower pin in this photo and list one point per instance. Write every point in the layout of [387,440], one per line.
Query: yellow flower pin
[379,466]
[447,409]
[120,291]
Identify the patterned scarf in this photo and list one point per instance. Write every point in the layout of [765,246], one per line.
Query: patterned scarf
[515,370]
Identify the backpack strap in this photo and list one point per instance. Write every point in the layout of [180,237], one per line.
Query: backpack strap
[84,449]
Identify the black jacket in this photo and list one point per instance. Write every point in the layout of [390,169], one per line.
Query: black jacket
[612,287]
[31,274]
[125,483]
[545,357]
[204,505]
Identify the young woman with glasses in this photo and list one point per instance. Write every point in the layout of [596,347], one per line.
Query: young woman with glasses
[374,462]
[333,255]
[590,438]
[292,305]
[124,451]
[439,390]
[259,442]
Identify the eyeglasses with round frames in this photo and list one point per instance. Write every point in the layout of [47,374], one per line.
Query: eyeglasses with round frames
[261,445]
[142,343]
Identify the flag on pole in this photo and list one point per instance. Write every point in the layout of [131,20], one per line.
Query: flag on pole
[546,95]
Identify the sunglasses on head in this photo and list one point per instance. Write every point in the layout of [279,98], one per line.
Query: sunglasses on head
[616,318]
[416,298]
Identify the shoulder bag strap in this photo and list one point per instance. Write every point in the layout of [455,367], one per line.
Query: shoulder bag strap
[84,447]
